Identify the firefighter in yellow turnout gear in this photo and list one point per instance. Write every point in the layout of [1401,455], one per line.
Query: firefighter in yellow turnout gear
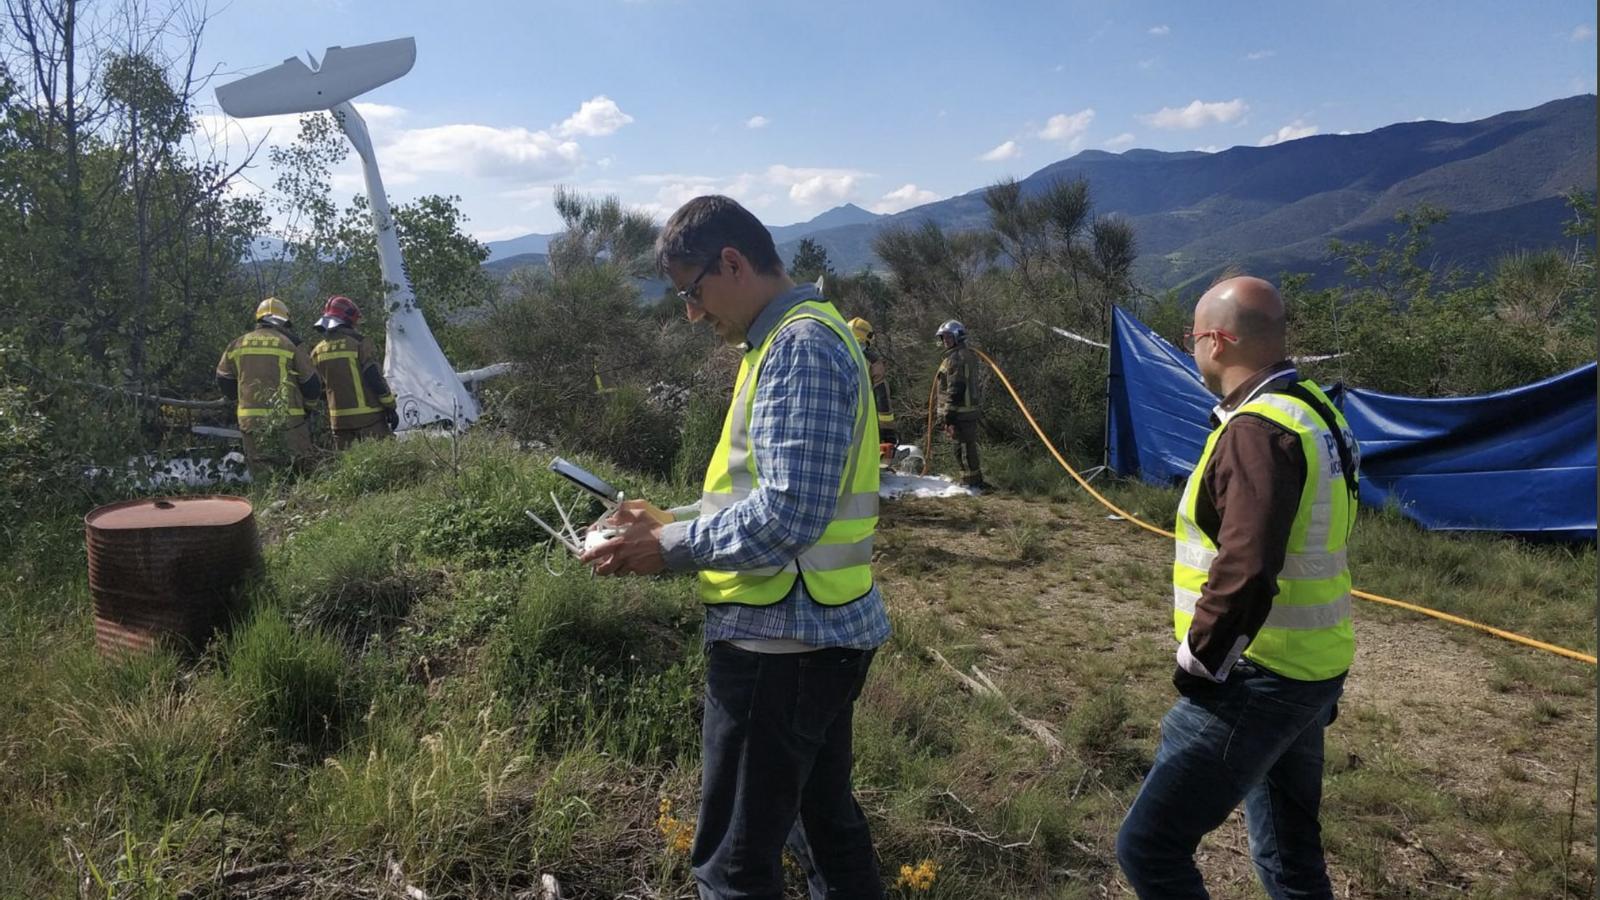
[269,378]
[959,400]
[360,403]
[878,370]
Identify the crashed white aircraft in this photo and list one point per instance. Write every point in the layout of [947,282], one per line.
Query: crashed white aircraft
[426,387]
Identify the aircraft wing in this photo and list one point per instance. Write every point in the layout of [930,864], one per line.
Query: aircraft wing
[294,87]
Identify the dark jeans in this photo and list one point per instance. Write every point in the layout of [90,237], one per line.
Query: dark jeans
[777,747]
[1256,738]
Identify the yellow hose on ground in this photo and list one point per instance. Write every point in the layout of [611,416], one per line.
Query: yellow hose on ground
[1374,598]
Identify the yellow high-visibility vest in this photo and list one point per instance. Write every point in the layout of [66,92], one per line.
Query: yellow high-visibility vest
[1309,634]
[838,568]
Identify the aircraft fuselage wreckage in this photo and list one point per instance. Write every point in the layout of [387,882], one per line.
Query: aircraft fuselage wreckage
[426,387]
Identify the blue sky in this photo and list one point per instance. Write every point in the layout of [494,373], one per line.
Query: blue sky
[796,108]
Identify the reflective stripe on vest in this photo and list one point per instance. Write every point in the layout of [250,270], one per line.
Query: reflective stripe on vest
[283,399]
[325,351]
[1308,634]
[837,569]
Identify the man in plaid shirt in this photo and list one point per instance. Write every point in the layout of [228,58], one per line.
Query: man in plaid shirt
[782,676]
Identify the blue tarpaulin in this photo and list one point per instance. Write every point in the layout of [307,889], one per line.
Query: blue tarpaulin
[1520,461]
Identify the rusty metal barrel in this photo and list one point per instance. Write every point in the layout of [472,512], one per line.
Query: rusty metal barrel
[167,570]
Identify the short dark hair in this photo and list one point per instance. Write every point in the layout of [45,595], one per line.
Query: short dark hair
[697,232]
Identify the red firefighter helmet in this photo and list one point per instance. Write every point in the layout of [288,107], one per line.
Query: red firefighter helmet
[341,307]
[339,310]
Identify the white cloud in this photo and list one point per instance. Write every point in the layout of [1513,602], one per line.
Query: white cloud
[1209,148]
[595,118]
[380,115]
[1064,127]
[1161,30]
[903,198]
[483,151]
[812,186]
[672,190]
[535,196]
[1121,141]
[1582,33]
[229,140]
[409,154]
[1008,150]
[1197,114]
[1258,55]
[1147,64]
[1290,132]
[224,134]
[804,186]
[757,122]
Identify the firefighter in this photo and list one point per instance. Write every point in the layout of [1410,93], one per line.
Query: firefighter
[360,404]
[269,378]
[959,396]
[878,368]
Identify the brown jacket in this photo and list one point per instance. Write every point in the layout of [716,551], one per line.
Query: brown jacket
[1247,502]
[958,383]
[267,373]
[352,378]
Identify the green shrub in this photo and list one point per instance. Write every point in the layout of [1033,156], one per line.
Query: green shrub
[292,682]
[1097,726]
[703,415]
[353,574]
[1025,468]
[372,467]
[611,663]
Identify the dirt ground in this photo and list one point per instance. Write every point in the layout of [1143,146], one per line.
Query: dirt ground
[1043,586]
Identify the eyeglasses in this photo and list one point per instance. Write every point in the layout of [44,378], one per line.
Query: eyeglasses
[1190,338]
[691,294]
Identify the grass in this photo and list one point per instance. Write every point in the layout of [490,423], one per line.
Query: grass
[293,684]
[1412,775]
[1493,579]
[415,692]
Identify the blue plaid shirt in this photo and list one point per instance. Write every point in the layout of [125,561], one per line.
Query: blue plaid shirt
[800,430]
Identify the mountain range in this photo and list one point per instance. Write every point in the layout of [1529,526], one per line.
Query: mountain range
[500,252]
[1272,209]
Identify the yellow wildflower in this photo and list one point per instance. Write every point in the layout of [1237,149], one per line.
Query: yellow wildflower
[679,834]
[919,877]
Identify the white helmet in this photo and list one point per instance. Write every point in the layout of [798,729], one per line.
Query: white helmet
[956,330]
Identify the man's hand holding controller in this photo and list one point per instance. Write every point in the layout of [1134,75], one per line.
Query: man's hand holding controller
[628,541]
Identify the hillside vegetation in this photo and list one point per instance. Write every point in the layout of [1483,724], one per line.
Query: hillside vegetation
[415,699]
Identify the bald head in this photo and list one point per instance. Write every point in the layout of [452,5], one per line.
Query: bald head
[1249,308]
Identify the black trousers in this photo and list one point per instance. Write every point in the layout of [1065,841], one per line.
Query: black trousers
[777,747]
